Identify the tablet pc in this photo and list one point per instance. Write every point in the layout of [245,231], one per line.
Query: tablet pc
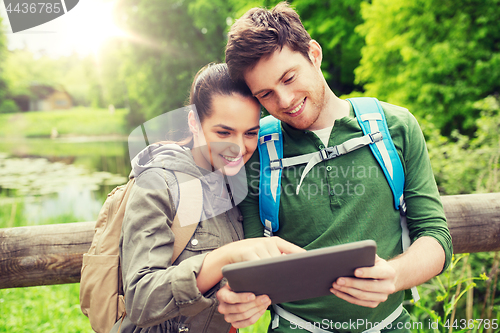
[298,276]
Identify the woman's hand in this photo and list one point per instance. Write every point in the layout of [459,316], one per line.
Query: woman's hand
[243,250]
[257,248]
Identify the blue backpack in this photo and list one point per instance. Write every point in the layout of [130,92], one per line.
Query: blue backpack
[371,119]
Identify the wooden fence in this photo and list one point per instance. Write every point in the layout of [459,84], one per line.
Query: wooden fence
[52,254]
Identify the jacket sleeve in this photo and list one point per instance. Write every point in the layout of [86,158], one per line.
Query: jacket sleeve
[425,214]
[155,290]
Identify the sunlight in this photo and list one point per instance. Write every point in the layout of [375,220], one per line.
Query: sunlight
[83,30]
[92,24]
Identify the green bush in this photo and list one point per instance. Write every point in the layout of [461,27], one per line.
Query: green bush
[8,106]
[464,165]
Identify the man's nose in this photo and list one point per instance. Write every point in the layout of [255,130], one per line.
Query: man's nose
[285,98]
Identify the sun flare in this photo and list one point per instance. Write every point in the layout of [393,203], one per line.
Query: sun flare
[93,25]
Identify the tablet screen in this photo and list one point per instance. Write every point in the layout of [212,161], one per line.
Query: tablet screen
[300,276]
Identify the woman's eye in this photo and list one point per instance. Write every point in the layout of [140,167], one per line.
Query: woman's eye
[252,134]
[265,95]
[223,133]
[290,79]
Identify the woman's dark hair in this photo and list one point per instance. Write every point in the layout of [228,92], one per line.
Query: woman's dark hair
[213,79]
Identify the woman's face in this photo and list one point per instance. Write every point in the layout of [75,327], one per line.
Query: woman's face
[229,136]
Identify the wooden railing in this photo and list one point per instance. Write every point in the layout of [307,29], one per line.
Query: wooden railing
[52,254]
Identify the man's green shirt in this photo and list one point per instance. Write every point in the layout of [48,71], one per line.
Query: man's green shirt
[348,199]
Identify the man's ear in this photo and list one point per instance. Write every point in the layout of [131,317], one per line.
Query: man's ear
[315,53]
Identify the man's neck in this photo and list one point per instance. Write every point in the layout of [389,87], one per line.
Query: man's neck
[334,108]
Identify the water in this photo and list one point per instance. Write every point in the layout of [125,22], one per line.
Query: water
[54,181]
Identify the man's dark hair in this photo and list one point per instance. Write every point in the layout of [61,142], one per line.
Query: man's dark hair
[259,33]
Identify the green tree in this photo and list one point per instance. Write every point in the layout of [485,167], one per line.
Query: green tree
[23,69]
[171,40]
[332,24]
[436,57]
[6,104]
[79,76]
[110,74]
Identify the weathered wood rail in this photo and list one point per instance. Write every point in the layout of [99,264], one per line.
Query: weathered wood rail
[52,254]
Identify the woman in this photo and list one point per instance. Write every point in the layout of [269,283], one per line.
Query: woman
[181,297]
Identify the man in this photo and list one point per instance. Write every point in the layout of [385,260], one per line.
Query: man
[341,200]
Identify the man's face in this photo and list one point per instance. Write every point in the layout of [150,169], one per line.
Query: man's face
[290,87]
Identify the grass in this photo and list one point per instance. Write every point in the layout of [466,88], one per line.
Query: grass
[57,148]
[77,121]
[43,309]
[260,326]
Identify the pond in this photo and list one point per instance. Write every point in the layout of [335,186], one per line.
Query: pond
[46,181]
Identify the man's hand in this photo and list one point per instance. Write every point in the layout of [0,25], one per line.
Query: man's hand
[370,287]
[241,309]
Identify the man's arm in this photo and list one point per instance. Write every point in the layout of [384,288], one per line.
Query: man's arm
[423,260]
[431,249]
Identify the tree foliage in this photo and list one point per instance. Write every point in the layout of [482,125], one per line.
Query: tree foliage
[172,40]
[436,57]
[463,165]
[332,24]
[79,76]
[6,105]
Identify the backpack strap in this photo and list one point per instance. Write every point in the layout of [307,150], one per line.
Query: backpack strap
[371,118]
[188,211]
[310,327]
[271,152]
[330,153]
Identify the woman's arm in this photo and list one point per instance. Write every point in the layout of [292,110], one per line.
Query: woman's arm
[156,291]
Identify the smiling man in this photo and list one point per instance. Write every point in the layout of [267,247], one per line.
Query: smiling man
[272,52]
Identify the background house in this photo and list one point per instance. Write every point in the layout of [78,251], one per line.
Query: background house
[44,98]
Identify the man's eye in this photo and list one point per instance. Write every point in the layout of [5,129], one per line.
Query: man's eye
[222,132]
[252,133]
[290,79]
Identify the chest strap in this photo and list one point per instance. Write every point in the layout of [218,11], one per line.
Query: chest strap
[307,326]
[276,164]
[330,153]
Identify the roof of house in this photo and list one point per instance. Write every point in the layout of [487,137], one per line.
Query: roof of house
[41,91]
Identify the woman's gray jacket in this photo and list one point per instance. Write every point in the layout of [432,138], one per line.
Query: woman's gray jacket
[159,296]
